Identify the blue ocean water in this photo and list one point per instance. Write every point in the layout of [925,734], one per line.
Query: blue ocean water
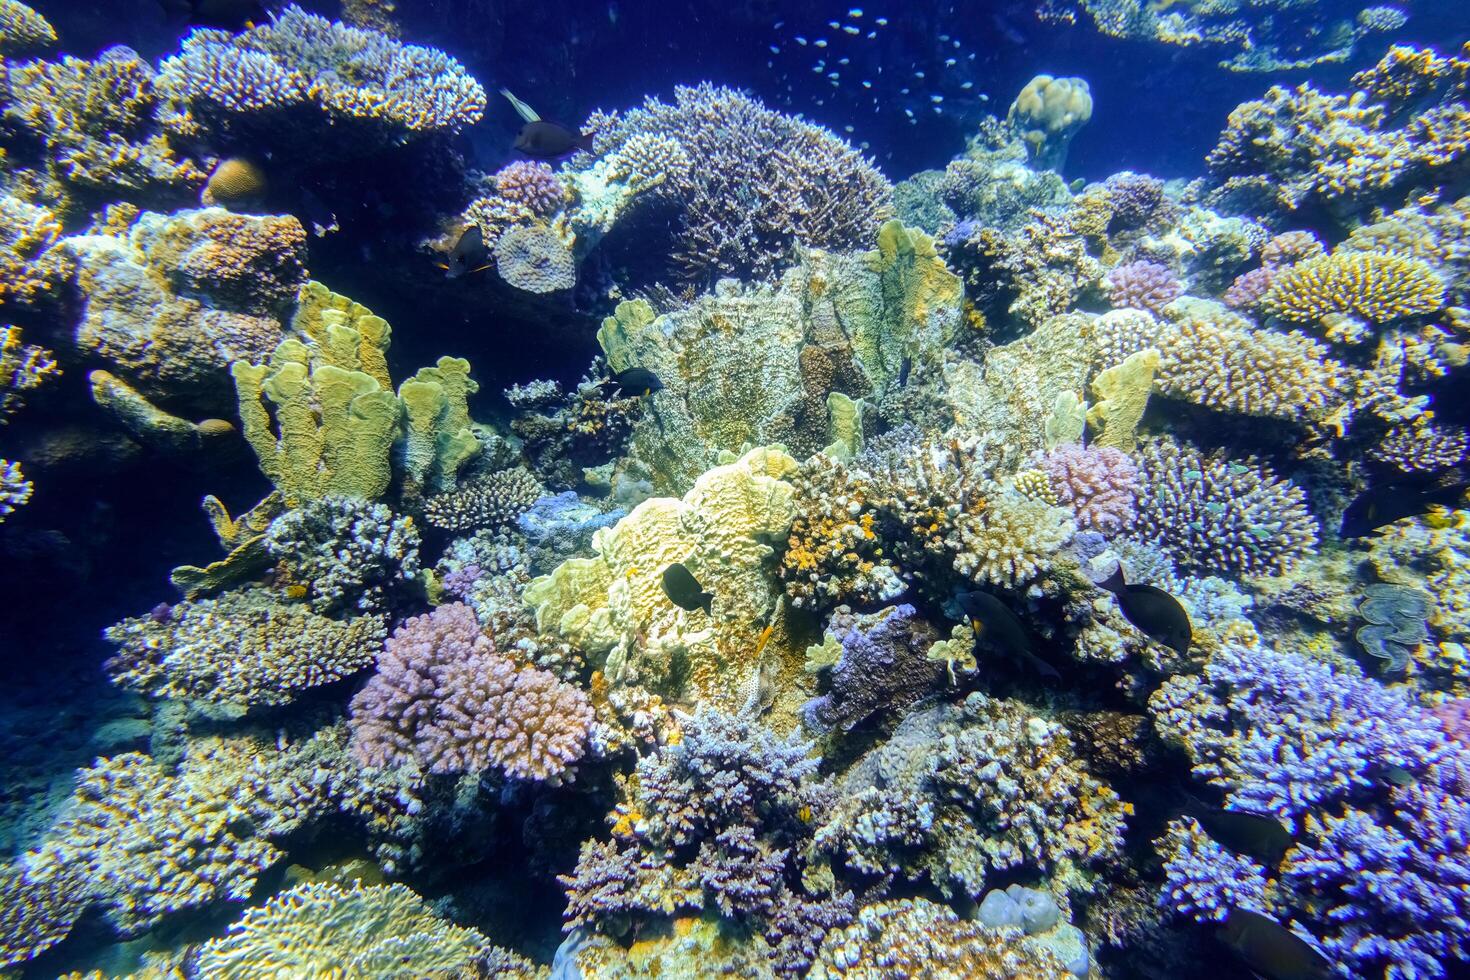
[774,489]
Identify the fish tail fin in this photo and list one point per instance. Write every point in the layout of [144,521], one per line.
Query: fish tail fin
[1114,583]
[522,110]
[587,142]
[707,603]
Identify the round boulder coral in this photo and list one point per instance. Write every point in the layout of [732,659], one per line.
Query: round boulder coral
[534,258]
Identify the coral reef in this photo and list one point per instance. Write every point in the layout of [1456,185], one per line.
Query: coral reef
[1096,484]
[1142,286]
[15,489]
[883,666]
[497,499]
[344,553]
[1375,286]
[535,259]
[21,28]
[1048,112]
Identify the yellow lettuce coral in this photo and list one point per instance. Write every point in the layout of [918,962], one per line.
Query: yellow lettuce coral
[1376,286]
[614,605]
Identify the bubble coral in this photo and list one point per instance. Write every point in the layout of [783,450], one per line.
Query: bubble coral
[536,259]
[1097,484]
[1215,514]
[1375,286]
[246,647]
[1142,286]
[444,697]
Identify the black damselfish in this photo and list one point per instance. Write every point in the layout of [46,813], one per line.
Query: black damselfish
[1155,612]
[635,381]
[992,621]
[1380,506]
[684,590]
[1253,834]
[1271,949]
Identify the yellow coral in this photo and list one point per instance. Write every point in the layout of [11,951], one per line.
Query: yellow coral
[1122,392]
[21,28]
[1376,286]
[614,603]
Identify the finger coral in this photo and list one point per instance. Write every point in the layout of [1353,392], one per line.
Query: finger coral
[246,647]
[1375,286]
[445,698]
[1214,514]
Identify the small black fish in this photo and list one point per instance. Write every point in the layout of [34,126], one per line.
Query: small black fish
[1251,834]
[990,619]
[1378,506]
[546,139]
[226,15]
[636,381]
[468,255]
[1271,949]
[1155,612]
[904,367]
[684,590]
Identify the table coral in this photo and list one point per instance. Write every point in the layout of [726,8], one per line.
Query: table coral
[765,182]
[1376,286]
[445,697]
[248,647]
[302,61]
[324,929]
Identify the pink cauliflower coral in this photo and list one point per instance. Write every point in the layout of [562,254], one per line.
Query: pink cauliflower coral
[1142,286]
[532,185]
[444,697]
[1096,483]
[1248,289]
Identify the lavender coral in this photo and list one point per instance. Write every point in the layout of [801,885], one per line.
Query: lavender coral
[1096,483]
[883,666]
[764,182]
[1142,286]
[445,698]
[1211,513]
[532,185]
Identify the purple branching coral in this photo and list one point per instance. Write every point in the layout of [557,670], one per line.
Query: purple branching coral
[883,666]
[1142,286]
[763,182]
[1249,289]
[1096,483]
[533,185]
[1380,798]
[444,697]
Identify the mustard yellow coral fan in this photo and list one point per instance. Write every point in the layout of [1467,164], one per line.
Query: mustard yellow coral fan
[1376,286]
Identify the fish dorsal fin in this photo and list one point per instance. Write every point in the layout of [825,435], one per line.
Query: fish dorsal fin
[525,111]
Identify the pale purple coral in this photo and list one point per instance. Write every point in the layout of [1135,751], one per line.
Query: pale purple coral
[443,697]
[883,666]
[1096,483]
[1248,289]
[1204,880]
[1142,286]
[533,185]
[1137,199]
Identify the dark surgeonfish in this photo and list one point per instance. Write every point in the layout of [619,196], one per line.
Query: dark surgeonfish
[468,255]
[684,590]
[1155,612]
[1378,506]
[546,139]
[1252,834]
[1271,949]
[990,619]
[636,381]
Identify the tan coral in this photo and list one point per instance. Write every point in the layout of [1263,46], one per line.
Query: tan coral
[1376,286]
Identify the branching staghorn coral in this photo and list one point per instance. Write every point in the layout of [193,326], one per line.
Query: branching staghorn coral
[248,647]
[15,489]
[1438,235]
[444,697]
[764,181]
[1379,866]
[1215,514]
[1375,286]
[31,270]
[22,28]
[23,368]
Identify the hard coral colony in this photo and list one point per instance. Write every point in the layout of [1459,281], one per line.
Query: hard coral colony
[989,573]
